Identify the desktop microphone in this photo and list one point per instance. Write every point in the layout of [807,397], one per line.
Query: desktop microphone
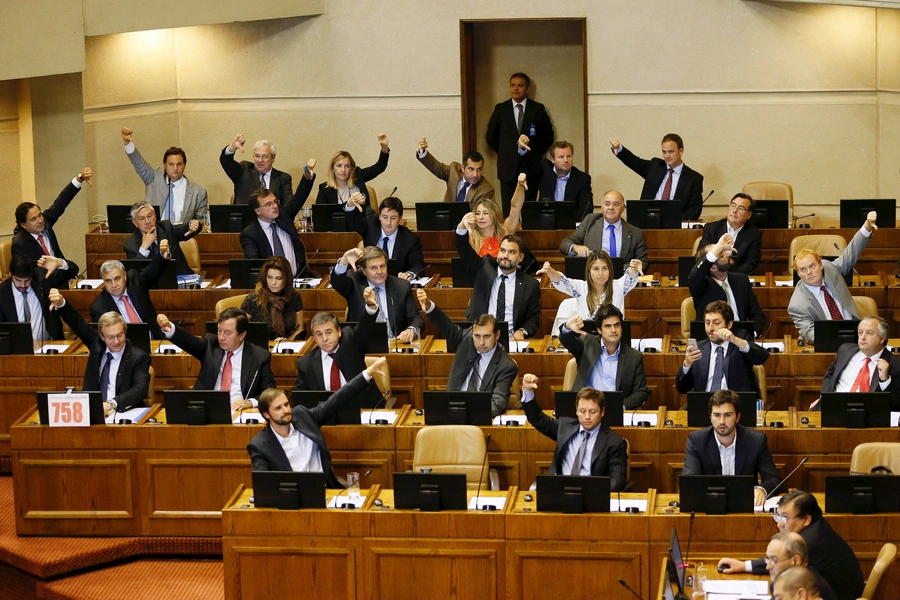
[694,218]
[762,336]
[803,217]
[80,276]
[306,264]
[628,587]
[802,462]
[372,412]
[416,275]
[249,389]
[652,327]
[767,261]
[685,564]
[393,191]
[487,443]
[349,504]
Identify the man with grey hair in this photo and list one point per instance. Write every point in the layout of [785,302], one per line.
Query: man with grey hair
[796,583]
[129,293]
[788,549]
[249,176]
[151,236]
[866,366]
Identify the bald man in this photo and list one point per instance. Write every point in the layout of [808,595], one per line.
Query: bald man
[796,583]
[608,231]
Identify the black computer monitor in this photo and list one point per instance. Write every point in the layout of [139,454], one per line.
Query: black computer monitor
[168,279]
[118,218]
[257,333]
[229,218]
[288,490]
[440,216]
[197,407]
[716,494]
[18,338]
[862,494]
[593,327]
[685,264]
[576,265]
[698,408]
[613,414]
[138,334]
[348,414]
[854,212]
[848,278]
[831,334]
[430,492]
[856,410]
[698,329]
[675,565]
[772,214]
[572,494]
[457,408]
[377,342]
[95,407]
[462,276]
[654,214]
[501,326]
[329,217]
[547,214]
[244,272]
[668,593]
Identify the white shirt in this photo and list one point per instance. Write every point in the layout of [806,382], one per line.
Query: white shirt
[676,175]
[178,190]
[38,326]
[482,367]
[559,193]
[236,361]
[286,242]
[301,451]
[510,296]
[326,369]
[848,375]
[726,454]
[113,373]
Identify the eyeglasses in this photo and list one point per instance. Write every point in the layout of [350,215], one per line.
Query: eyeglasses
[269,204]
[782,519]
[741,209]
[774,559]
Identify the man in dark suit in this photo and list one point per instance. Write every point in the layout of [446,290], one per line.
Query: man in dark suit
[292,439]
[584,446]
[726,448]
[34,234]
[608,231]
[520,132]
[562,182]
[149,234]
[481,363]
[385,231]
[117,368]
[605,363]
[712,279]
[249,176]
[393,296]
[788,549]
[226,362]
[273,233]
[465,182]
[866,366]
[829,554]
[666,178]
[520,304]
[24,297]
[339,356]
[722,361]
[747,237]
[129,293]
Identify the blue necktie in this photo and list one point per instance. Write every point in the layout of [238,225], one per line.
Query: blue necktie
[277,247]
[104,377]
[718,370]
[384,246]
[612,241]
[461,196]
[170,211]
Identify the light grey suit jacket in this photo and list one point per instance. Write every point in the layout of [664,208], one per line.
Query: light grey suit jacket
[157,189]
[590,233]
[805,309]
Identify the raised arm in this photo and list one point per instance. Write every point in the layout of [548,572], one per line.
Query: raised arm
[515,209]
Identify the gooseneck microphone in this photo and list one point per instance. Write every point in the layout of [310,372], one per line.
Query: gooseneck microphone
[770,494]
[306,264]
[380,400]
[628,587]
[800,218]
[762,264]
[652,327]
[487,443]
[700,208]
[249,389]
[338,495]
[685,564]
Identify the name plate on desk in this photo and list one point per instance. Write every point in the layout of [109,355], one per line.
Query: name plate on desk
[69,410]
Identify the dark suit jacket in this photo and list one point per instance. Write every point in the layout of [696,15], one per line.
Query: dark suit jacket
[40,287]
[690,183]
[843,356]
[749,243]
[407,245]
[629,370]
[831,556]
[499,374]
[590,233]
[527,303]
[24,243]
[165,230]
[751,457]
[138,288]
[266,453]
[578,189]
[738,368]
[705,289]
[351,360]
[401,309]
[256,369]
[608,459]
[503,135]
[246,179]
[254,240]
[329,195]
[133,376]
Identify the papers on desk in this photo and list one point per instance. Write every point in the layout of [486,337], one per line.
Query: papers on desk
[135,414]
[895,417]
[769,505]
[311,282]
[737,588]
[629,419]
[295,346]
[205,284]
[248,418]
[45,348]
[614,505]
[186,280]
[497,503]
[422,281]
[163,346]
[94,283]
[762,282]
[225,286]
[504,419]
[368,417]
[337,501]
[517,346]
[690,224]
[768,345]
[647,343]
[789,283]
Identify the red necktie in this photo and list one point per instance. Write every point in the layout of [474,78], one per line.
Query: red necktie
[43,245]
[833,309]
[132,314]
[335,373]
[861,384]
[667,190]
[226,373]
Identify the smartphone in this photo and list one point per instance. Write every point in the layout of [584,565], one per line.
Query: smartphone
[692,344]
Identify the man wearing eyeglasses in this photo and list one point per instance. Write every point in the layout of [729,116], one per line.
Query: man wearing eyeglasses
[250,176]
[273,233]
[747,237]
[829,554]
[787,549]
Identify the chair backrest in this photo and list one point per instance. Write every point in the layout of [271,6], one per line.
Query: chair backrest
[373,198]
[191,251]
[571,373]
[875,454]
[515,394]
[696,246]
[772,190]
[759,372]
[5,257]
[688,314]
[382,381]
[825,245]
[886,557]
[229,302]
[452,449]
[865,306]
[151,391]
